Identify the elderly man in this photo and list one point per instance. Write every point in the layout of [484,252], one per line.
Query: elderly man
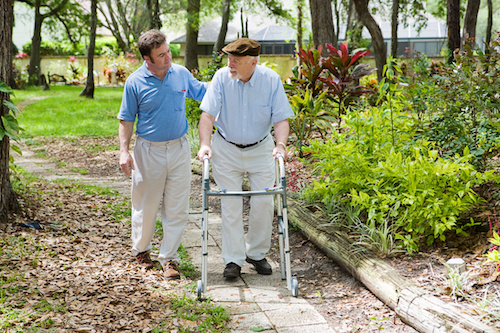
[154,95]
[244,101]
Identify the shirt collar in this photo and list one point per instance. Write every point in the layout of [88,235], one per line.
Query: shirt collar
[254,79]
[148,73]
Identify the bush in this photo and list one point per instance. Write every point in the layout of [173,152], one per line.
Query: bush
[65,48]
[459,104]
[399,181]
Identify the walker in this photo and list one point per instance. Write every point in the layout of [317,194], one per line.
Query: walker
[281,209]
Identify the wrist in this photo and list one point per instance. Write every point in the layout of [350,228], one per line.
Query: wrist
[281,143]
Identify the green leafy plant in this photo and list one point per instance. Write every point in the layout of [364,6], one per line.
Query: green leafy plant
[459,104]
[310,115]
[10,126]
[493,255]
[408,184]
[205,316]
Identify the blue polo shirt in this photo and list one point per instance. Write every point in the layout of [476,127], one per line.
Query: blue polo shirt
[159,105]
[245,112]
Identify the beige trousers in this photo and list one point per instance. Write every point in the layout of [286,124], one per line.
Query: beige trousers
[161,180]
[229,165]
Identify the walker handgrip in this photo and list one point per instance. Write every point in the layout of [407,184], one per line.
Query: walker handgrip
[281,163]
[206,161]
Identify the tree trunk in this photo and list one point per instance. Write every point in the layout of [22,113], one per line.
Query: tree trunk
[489,26]
[423,312]
[453,22]
[6,20]
[300,4]
[88,91]
[394,30]
[351,13]
[369,22]
[221,39]
[193,24]
[36,41]
[322,24]
[470,22]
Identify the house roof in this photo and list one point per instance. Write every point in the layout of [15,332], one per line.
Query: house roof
[209,32]
[268,31]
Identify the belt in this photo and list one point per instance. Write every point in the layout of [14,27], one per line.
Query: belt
[241,145]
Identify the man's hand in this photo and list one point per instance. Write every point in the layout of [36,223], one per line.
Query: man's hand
[126,163]
[204,150]
[279,149]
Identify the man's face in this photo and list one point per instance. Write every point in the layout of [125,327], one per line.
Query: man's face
[160,58]
[241,68]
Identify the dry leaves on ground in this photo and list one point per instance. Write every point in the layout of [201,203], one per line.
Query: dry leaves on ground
[77,272]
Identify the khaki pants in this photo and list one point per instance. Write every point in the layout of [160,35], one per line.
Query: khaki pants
[230,164]
[162,177]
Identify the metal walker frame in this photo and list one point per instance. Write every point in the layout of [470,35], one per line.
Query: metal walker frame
[281,210]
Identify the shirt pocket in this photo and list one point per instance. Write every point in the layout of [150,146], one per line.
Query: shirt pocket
[179,100]
[262,116]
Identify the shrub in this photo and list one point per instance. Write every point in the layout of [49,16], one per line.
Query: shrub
[403,182]
[459,104]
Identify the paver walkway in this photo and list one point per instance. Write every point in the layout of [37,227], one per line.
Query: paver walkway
[257,303]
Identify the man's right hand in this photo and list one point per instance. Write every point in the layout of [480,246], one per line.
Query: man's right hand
[204,150]
[127,163]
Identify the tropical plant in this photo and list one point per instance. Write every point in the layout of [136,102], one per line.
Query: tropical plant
[343,76]
[310,114]
[320,82]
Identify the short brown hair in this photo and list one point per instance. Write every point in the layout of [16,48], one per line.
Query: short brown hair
[149,40]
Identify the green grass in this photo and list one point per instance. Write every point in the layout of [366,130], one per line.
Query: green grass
[62,112]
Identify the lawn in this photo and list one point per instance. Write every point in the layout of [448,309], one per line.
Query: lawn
[62,112]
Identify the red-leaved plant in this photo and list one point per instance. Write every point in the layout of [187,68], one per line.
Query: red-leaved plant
[343,76]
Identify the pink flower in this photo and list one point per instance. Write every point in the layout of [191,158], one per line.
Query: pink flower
[72,58]
[21,55]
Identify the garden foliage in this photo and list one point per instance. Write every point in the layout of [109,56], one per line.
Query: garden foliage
[406,183]
[322,84]
[387,164]
[459,104]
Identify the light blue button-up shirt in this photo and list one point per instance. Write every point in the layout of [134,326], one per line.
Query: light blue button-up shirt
[159,105]
[245,112]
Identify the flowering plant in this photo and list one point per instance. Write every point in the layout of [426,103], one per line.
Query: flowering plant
[22,55]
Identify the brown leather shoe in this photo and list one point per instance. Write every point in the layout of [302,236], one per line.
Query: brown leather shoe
[232,271]
[171,271]
[145,261]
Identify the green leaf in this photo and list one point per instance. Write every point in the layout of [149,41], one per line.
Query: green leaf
[5,88]
[257,329]
[9,121]
[11,106]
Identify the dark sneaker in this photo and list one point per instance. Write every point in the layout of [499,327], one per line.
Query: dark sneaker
[261,266]
[232,271]
[145,261]
[171,271]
